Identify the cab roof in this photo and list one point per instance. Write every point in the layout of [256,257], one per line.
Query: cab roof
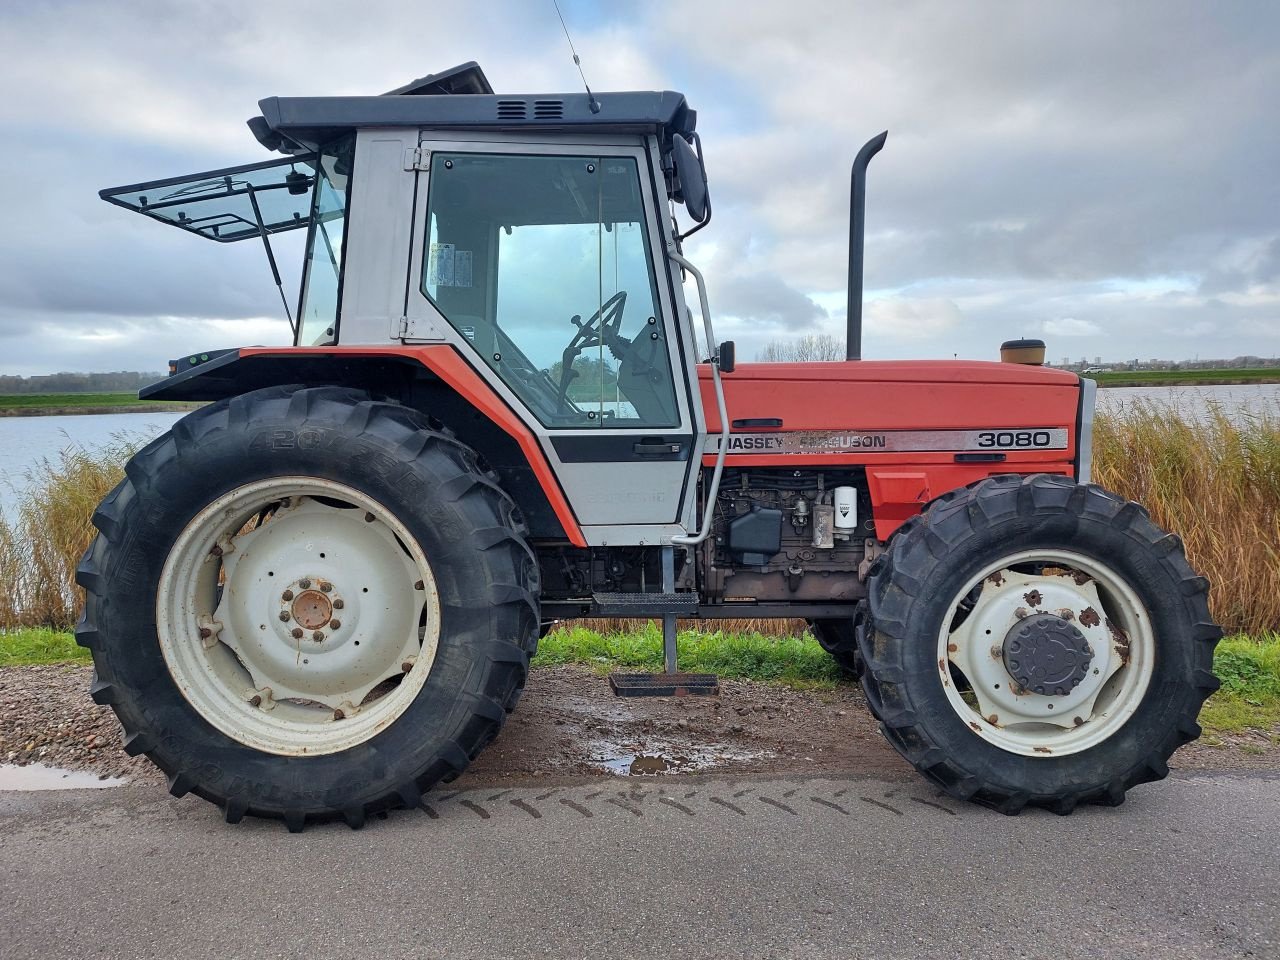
[461,98]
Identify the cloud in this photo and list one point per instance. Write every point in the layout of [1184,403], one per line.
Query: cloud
[1071,327]
[1103,174]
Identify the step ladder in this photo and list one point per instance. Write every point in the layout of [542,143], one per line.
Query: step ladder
[670,683]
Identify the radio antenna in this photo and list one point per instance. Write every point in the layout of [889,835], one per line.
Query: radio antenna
[592,102]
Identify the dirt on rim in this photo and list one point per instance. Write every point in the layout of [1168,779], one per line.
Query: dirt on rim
[570,727]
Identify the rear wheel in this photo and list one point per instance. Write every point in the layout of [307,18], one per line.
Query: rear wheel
[1038,642]
[839,638]
[305,604]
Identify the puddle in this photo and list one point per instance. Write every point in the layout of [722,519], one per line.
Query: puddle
[37,776]
[684,759]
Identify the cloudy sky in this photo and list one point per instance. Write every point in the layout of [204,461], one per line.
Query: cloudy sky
[1106,176]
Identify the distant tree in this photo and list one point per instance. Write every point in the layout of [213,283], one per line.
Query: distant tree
[812,346]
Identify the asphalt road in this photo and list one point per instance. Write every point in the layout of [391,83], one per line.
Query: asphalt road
[755,867]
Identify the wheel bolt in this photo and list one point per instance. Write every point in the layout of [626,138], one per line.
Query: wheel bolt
[216,551]
[297,633]
[339,714]
[317,636]
[287,596]
[304,583]
[325,587]
[335,624]
[205,633]
[284,616]
[419,585]
[338,604]
[407,666]
[255,700]
[368,518]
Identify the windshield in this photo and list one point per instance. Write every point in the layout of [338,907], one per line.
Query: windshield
[322,268]
[227,205]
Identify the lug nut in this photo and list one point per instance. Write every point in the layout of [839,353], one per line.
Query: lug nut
[419,585]
[287,596]
[339,714]
[317,636]
[304,584]
[338,604]
[216,551]
[205,633]
[325,587]
[335,624]
[406,666]
[284,616]
[297,633]
[255,700]
[368,518]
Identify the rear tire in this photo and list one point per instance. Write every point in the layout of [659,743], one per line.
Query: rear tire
[839,638]
[171,677]
[1039,553]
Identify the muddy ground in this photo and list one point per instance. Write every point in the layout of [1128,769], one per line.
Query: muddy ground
[570,727]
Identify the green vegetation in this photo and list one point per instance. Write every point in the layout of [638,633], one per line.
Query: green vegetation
[797,661]
[55,404]
[1249,668]
[24,647]
[1186,378]
[1250,696]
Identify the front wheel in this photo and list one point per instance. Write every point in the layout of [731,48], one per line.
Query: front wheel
[306,604]
[1038,642]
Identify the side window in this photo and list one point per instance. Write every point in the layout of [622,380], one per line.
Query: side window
[543,264]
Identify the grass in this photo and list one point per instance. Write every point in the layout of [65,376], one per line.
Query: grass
[1249,668]
[1187,378]
[797,661]
[52,404]
[41,645]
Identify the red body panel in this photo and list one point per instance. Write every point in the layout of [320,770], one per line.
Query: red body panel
[445,363]
[866,396]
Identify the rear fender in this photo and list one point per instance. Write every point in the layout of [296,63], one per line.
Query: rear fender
[431,379]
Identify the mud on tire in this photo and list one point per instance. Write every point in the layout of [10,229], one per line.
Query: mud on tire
[469,530]
[930,567]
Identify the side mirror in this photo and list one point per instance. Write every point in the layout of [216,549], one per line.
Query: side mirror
[727,356]
[693,179]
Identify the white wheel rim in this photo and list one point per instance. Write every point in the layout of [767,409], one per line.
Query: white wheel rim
[1094,600]
[298,616]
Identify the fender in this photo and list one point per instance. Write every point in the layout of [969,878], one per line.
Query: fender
[405,373]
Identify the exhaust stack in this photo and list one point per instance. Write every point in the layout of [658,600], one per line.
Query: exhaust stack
[857,230]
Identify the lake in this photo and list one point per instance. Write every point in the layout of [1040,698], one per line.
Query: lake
[25,441]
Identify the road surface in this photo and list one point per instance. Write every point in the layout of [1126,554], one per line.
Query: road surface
[627,868]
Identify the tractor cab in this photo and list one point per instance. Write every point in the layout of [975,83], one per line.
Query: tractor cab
[536,231]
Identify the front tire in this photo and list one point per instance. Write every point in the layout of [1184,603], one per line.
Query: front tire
[305,604]
[1083,634]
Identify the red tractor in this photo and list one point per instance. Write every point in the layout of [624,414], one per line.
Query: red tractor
[317,596]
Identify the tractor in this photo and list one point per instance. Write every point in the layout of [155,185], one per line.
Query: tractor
[317,595]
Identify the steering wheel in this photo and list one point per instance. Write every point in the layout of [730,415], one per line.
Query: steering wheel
[602,327]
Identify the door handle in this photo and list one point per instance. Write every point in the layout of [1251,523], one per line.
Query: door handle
[657,448]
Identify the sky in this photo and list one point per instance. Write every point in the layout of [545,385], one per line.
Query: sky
[1103,176]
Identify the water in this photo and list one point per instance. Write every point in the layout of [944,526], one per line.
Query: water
[37,776]
[1236,400]
[25,441]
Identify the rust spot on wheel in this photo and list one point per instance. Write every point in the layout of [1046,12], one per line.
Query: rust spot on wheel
[975,726]
[1033,598]
[1089,617]
[1042,750]
[942,665]
[996,579]
[952,648]
[312,609]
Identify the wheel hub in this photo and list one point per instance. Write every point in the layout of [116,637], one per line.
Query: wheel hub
[312,609]
[1047,654]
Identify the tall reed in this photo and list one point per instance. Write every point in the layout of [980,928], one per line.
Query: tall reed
[1213,479]
[42,543]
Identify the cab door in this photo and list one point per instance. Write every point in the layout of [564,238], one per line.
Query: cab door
[536,260]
